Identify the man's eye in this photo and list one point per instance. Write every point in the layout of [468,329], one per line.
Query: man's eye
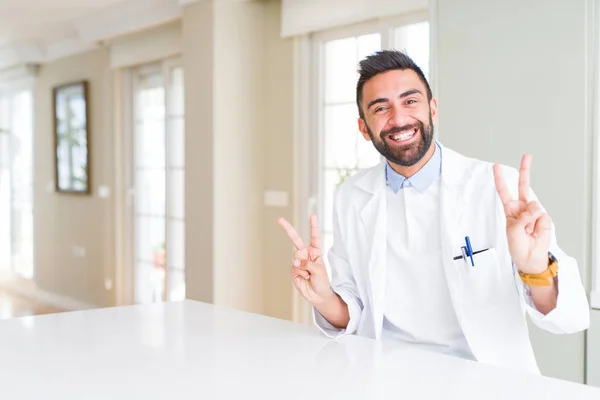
[380,109]
[411,101]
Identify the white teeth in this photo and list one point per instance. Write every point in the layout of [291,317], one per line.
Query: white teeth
[404,136]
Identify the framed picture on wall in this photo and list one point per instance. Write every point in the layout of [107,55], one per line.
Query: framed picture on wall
[71,138]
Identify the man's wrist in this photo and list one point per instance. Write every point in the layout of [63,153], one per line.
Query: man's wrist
[537,266]
[325,300]
[536,275]
[533,269]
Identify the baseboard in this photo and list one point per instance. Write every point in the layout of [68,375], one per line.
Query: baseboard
[52,299]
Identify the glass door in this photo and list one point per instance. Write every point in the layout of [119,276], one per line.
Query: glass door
[16,182]
[158,183]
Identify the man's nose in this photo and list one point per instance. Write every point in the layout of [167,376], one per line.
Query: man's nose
[399,118]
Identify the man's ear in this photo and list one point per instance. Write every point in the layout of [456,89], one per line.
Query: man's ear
[433,107]
[362,127]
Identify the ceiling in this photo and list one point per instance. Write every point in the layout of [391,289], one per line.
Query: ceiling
[44,30]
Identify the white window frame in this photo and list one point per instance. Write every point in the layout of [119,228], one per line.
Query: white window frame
[126,273]
[12,81]
[387,30]
[309,89]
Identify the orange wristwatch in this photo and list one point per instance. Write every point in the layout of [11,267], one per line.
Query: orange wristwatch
[544,278]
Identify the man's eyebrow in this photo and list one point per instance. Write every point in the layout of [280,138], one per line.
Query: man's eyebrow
[403,95]
[379,100]
[409,92]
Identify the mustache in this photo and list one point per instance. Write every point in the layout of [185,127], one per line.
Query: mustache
[398,129]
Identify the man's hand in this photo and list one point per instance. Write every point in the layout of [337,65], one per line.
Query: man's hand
[528,227]
[308,269]
[529,232]
[310,276]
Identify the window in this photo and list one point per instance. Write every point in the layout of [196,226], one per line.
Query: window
[342,149]
[158,172]
[16,182]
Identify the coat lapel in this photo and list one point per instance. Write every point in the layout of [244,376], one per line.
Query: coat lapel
[373,217]
[453,209]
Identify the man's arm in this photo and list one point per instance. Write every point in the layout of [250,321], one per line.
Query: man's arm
[544,297]
[335,311]
[562,307]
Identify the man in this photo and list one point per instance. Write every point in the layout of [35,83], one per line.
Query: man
[432,248]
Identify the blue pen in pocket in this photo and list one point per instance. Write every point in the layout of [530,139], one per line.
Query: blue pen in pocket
[469,250]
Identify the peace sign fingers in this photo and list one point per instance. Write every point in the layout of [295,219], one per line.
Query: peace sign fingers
[294,237]
[315,240]
[524,173]
[501,187]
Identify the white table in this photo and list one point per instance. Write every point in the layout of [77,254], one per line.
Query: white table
[192,350]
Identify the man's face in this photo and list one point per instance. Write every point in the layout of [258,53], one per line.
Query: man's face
[398,118]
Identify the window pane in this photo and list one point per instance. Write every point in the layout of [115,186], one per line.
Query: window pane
[331,178]
[368,44]
[176,145]
[16,183]
[5,223]
[176,92]
[22,221]
[340,135]
[367,155]
[150,192]
[340,70]
[151,97]
[176,285]
[150,143]
[4,149]
[176,245]
[4,113]
[160,182]
[22,258]
[177,193]
[150,238]
[414,39]
[149,283]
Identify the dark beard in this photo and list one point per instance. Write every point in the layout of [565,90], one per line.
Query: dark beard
[409,156]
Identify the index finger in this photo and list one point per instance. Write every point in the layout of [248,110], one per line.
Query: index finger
[296,240]
[314,232]
[524,177]
[503,191]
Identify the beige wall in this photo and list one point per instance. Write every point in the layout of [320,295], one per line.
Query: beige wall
[238,104]
[197,37]
[239,142]
[239,124]
[279,159]
[62,221]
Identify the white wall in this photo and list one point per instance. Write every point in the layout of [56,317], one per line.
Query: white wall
[514,77]
[593,350]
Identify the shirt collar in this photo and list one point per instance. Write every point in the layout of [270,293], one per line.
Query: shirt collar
[422,179]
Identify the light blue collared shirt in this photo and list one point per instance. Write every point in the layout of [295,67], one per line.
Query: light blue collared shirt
[422,179]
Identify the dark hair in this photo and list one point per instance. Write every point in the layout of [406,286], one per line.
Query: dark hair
[383,61]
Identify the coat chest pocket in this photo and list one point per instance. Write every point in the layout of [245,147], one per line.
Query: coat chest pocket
[480,283]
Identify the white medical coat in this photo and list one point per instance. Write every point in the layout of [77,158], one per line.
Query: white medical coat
[489,299]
